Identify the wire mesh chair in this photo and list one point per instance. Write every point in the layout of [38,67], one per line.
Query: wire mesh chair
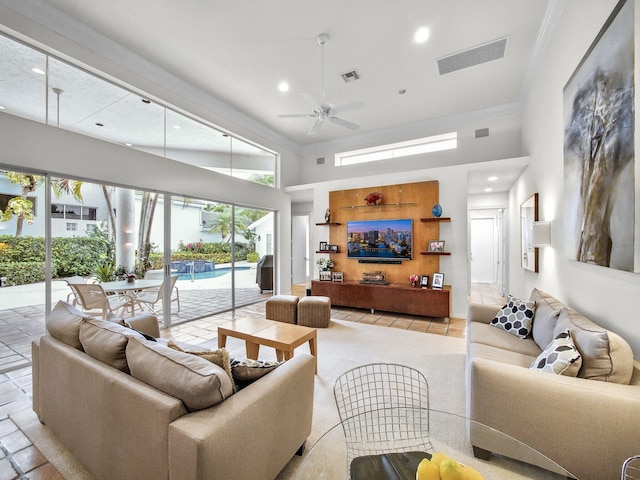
[631,468]
[384,408]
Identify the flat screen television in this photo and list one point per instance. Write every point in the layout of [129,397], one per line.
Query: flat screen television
[380,239]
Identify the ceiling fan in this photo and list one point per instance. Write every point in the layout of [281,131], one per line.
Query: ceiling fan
[323,111]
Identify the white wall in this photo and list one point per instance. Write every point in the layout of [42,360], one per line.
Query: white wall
[605,295]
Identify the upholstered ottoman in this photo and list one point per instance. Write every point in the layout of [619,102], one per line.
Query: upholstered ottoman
[314,311]
[282,308]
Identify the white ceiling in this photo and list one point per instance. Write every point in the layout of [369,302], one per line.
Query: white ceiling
[239,52]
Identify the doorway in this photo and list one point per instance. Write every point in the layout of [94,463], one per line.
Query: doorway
[300,249]
[487,259]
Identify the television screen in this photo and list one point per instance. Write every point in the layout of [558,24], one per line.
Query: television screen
[380,239]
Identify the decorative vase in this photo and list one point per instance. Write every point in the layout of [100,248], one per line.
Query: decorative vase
[327,216]
[130,279]
[436,210]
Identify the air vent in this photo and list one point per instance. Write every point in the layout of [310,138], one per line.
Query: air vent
[473,56]
[320,161]
[482,132]
[351,76]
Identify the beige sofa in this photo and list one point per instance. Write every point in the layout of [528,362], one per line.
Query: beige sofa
[119,426]
[589,423]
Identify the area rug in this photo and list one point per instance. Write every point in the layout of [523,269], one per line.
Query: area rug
[342,346]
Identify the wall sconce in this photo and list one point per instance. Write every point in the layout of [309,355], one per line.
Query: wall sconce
[541,234]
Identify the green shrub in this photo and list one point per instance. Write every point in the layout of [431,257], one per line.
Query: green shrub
[253,257]
[21,273]
[70,256]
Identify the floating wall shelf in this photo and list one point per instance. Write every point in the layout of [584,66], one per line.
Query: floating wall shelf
[382,205]
[436,219]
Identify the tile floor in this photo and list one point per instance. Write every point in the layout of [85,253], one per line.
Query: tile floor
[19,459]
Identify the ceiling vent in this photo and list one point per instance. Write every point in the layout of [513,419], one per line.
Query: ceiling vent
[473,56]
[351,76]
[482,132]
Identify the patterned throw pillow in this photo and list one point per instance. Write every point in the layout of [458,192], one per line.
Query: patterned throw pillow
[516,317]
[246,370]
[560,357]
[220,357]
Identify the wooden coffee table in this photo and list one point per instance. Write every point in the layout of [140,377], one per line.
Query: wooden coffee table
[256,331]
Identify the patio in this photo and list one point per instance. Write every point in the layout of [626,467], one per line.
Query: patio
[22,309]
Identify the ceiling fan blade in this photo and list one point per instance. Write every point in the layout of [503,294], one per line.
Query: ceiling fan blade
[315,127]
[347,107]
[311,101]
[344,123]
[292,115]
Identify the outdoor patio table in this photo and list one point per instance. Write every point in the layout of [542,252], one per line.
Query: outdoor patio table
[131,289]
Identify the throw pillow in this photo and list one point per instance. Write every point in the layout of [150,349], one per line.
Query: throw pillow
[220,357]
[560,357]
[247,371]
[545,318]
[516,317]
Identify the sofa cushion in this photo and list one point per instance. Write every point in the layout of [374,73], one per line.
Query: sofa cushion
[64,324]
[194,380]
[488,352]
[560,357]
[545,318]
[220,356]
[515,317]
[478,332]
[605,355]
[106,341]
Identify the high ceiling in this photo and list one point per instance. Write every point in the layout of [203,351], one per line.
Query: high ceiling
[239,52]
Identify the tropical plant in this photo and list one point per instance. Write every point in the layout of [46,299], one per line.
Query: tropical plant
[105,272]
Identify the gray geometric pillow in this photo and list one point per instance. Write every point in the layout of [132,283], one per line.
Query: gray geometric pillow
[560,357]
[516,317]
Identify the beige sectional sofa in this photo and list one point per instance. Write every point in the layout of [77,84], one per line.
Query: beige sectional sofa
[125,425]
[586,419]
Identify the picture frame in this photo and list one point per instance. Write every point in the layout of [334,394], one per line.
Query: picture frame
[334,248]
[436,246]
[336,277]
[325,276]
[424,281]
[323,247]
[438,281]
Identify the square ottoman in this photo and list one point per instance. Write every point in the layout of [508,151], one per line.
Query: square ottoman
[282,308]
[314,311]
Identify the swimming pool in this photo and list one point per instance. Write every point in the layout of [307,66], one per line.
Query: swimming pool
[218,272]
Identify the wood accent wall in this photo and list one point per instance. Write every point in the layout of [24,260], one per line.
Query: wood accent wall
[409,200]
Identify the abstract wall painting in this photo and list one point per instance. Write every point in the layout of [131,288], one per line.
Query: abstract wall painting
[599,151]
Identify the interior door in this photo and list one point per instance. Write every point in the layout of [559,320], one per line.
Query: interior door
[482,255]
[299,249]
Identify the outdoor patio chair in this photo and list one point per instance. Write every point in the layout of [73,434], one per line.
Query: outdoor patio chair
[384,409]
[72,297]
[92,298]
[150,297]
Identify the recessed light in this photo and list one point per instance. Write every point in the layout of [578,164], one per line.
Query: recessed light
[283,87]
[1,107]
[39,71]
[128,144]
[421,35]
[492,179]
[402,91]
[488,189]
[177,127]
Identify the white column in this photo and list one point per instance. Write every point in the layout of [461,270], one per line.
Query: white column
[125,228]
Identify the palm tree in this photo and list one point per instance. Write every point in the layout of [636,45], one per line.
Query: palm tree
[22,207]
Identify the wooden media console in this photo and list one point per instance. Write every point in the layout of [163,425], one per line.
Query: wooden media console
[394,297]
